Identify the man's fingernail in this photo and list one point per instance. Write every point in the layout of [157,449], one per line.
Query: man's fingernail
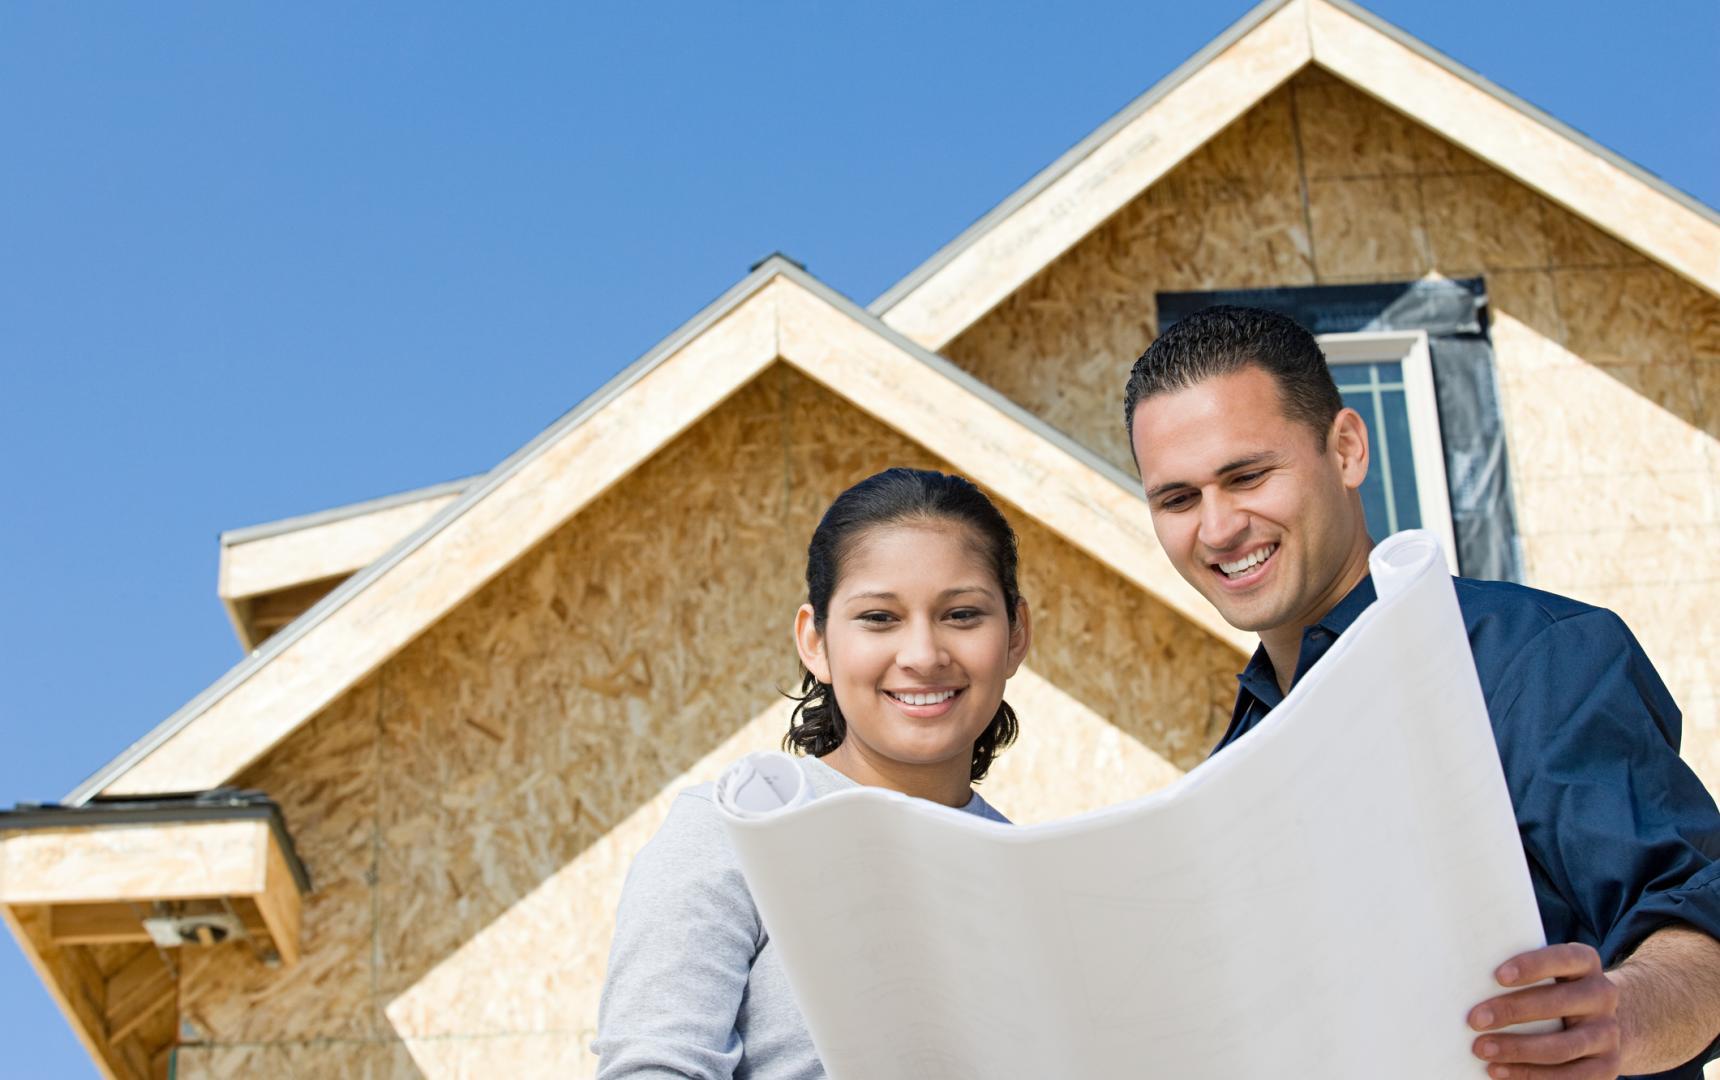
[1499,1072]
[1508,974]
[1484,1017]
[1489,1049]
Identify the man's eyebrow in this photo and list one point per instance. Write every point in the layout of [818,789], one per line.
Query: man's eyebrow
[1264,457]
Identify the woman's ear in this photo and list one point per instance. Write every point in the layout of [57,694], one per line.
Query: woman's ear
[809,643]
[1020,635]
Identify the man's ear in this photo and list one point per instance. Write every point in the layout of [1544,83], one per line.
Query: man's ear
[809,643]
[1020,635]
[1347,442]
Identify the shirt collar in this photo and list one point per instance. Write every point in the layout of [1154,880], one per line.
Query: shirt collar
[1258,678]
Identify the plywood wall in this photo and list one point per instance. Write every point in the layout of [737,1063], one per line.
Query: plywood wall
[469,811]
[1609,365]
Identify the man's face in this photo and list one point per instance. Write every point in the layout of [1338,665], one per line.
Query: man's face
[1253,511]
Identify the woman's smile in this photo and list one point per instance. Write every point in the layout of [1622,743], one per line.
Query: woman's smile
[925,704]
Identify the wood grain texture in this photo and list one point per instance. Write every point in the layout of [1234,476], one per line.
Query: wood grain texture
[133,862]
[1566,172]
[332,549]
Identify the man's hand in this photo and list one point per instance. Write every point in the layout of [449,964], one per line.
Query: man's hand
[1582,996]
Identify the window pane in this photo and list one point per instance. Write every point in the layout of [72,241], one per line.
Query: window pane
[1350,376]
[1389,496]
[1404,494]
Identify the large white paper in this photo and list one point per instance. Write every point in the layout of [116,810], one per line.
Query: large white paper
[1328,897]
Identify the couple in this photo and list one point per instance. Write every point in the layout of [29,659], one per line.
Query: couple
[1251,467]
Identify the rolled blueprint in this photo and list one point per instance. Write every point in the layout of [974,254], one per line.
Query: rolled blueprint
[1328,897]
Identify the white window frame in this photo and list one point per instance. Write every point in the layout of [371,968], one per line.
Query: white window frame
[1408,348]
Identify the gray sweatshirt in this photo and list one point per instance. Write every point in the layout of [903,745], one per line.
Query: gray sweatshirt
[694,987]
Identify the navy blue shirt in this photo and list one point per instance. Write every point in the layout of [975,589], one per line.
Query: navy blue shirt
[1621,836]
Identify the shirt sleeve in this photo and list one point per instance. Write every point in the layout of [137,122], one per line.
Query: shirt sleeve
[1624,832]
[686,935]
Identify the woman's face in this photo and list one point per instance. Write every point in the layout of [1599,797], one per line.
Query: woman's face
[917,645]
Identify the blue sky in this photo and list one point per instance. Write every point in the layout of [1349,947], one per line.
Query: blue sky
[265,259]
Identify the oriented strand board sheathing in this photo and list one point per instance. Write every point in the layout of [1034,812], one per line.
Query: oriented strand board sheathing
[573,688]
[1229,216]
[1068,759]
[314,1060]
[1369,227]
[1122,655]
[324,779]
[537,968]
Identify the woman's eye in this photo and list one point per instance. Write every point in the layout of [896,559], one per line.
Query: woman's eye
[877,618]
[966,614]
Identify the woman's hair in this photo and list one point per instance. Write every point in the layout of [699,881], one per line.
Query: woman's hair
[898,497]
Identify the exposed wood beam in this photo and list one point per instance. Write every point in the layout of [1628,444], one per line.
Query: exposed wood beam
[95,924]
[136,991]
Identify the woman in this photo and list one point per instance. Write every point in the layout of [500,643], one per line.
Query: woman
[912,625]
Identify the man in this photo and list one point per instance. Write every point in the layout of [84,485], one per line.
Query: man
[1252,468]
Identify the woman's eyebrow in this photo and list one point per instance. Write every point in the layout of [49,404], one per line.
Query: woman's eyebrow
[880,594]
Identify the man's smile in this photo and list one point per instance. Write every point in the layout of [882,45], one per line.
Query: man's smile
[1246,568]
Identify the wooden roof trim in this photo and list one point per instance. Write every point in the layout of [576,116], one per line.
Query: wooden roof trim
[1087,501]
[276,558]
[1051,213]
[778,312]
[1502,129]
[258,702]
[1099,176]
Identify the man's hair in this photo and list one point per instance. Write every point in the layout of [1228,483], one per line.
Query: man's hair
[1223,339]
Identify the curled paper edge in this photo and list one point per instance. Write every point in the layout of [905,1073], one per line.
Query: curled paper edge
[763,783]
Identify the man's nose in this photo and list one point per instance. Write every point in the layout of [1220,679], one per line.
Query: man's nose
[1222,522]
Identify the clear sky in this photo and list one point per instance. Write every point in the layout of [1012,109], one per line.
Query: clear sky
[262,259]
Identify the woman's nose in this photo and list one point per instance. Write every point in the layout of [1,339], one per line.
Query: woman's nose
[920,650]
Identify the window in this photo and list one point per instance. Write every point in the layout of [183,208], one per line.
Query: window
[1387,377]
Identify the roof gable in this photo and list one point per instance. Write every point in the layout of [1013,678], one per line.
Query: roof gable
[1129,153]
[777,314]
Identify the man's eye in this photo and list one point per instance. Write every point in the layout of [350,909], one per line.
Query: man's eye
[1249,479]
[1176,502]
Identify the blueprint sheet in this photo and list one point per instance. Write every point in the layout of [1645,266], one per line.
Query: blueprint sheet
[1328,897]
